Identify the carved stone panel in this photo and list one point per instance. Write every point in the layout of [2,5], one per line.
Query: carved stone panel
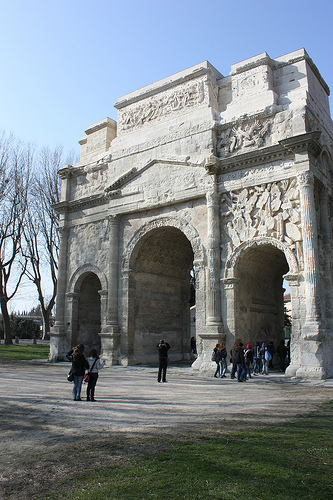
[268,210]
[177,99]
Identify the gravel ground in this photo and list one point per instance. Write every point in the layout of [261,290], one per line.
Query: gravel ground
[41,424]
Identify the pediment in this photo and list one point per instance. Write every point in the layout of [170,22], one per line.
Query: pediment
[135,173]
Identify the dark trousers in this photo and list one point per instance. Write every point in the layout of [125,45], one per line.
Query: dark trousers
[233,369]
[162,368]
[91,385]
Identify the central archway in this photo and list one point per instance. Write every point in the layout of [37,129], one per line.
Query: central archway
[160,295]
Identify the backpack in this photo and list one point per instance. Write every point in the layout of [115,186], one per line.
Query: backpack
[214,356]
[268,356]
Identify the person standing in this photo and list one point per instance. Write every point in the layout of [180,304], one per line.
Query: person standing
[79,366]
[162,349]
[215,358]
[282,353]
[238,358]
[271,350]
[95,364]
[222,355]
[257,365]
[265,356]
[248,356]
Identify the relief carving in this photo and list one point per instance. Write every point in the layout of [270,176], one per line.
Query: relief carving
[250,135]
[269,210]
[186,97]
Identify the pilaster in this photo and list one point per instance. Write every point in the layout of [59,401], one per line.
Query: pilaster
[311,327]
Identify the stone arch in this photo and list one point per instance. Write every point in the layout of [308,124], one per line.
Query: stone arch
[84,297]
[156,283]
[234,257]
[187,229]
[257,269]
[79,274]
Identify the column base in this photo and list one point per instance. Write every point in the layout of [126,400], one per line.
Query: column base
[58,343]
[110,346]
[204,363]
[311,372]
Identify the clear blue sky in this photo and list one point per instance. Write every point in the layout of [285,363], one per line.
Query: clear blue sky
[64,63]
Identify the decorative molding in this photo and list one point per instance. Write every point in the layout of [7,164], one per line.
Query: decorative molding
[304,142]
[122,180]
[289,254]
[79,274]
[187,229]
[72,206]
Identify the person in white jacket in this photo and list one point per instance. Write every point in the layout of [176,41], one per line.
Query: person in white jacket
[95,364]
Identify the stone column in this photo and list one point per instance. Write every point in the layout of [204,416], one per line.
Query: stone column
[295,343]
[110,335]
[311,326]
[212,332]
[310,343]
[230,288]
[104,305]
[325,235]
[58,344]
[213,292]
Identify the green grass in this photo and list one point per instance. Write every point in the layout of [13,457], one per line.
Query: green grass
[289,461]
[23,351]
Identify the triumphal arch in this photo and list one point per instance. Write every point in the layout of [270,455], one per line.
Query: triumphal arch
[205,195]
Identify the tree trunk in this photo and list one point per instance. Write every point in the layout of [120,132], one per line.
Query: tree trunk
[46,324]
[6,322]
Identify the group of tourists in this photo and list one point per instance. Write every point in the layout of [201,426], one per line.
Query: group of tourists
[249,361]
[246,362]
[78,371]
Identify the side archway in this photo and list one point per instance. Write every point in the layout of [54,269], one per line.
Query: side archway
[257,269]
[86,308]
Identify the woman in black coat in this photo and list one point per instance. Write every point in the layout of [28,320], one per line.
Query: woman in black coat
[79,366]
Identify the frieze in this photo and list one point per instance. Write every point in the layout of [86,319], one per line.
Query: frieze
[266,211]
[243,137]
[255,175]
[185,97]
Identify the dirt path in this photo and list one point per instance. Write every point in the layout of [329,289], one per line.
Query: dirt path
[42,427]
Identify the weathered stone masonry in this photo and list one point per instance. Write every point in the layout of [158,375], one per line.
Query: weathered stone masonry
[225,179]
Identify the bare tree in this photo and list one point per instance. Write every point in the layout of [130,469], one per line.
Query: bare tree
[16,161]
[41,231]
[5,143]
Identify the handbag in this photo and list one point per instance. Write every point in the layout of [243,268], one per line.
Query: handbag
[70,376]
[87,375]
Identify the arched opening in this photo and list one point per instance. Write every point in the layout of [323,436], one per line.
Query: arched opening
[160,295]
[259,304]
[88,315]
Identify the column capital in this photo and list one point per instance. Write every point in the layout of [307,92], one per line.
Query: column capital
[305,179]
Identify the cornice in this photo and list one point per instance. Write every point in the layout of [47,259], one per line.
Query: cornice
[161,86]
[287,147]
[249,159]
[304,142]
[88,202]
